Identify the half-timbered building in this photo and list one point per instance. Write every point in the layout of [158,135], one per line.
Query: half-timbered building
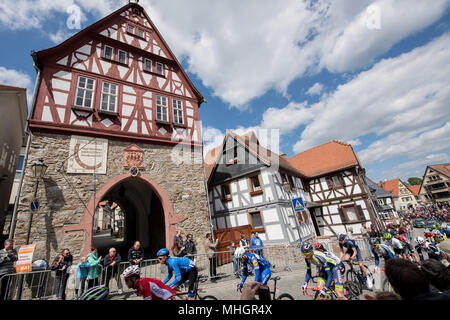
[335,180]
[404,198]
[112,108]
[250,185]
[435,187]
[384,203]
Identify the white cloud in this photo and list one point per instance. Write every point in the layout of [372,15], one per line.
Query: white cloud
[416,166]
[315,90]
[17,78]
[354,142]
[401,97]
[60,36]
[242,49]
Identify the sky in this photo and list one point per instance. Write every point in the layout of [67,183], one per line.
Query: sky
[374,74]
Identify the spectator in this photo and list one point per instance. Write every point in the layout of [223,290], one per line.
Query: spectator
[178,244]
[383,296]
[249,290]
[94,268]
[409,282]
[68,259]
[8,255]
[350,233]
[258,246]
[81,276]
[189,247]
[436,274]
[365,231]
[111,264]
[232,248]
[210,249]
[243,242]
[60,266]
[136,254]
[373,232]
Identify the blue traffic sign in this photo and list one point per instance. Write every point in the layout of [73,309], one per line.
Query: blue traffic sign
[34,205]
[298,204]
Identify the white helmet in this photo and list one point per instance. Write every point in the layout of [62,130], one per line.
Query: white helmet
[420,240]
[131,271]
[239,253]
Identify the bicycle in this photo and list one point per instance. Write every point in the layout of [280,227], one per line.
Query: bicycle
[283,296]
[181,294]
[358,277]
[351,290]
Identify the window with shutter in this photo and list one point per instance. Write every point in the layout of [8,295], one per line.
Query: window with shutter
[343,217]
[360,213]
[328,180]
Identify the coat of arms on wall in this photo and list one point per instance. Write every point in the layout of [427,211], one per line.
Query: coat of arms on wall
[134,157]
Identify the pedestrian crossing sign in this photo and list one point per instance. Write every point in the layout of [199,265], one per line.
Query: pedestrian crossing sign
[298,204]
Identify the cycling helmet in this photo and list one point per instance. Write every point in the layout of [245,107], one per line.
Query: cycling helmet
[307,248]
[95,293]
[387,236]
[319,246]
[374,241]
[342,237]
[132,271]
[239,253]
[420,240]
[163,252]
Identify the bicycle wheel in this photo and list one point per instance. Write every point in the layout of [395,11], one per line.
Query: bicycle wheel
[208,298]
[352,288]
[387,286]
[352,277]
[285,296]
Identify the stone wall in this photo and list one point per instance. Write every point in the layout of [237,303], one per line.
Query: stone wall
[63,197]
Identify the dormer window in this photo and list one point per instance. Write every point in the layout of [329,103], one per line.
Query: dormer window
[122,56]
[108,53]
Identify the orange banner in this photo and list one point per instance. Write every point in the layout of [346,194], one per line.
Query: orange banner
[25,258]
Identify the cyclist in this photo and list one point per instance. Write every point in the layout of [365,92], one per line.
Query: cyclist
[328,269]
[148,288]
[352,253]
[381,250]
[184,269]
[395,244]
[260,266]
[432,250]
[408,249]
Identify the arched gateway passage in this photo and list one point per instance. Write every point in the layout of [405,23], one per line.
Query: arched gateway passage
[148,214]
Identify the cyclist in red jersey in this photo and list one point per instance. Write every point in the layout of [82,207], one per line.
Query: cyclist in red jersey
[148,288]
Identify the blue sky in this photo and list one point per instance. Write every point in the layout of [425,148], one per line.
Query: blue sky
[371,73]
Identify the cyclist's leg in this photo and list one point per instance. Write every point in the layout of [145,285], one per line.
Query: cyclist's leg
[338,278]
[265,276]
[192,276]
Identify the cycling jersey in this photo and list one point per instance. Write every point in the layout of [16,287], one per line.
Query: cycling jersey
[153,289]
[395,244]
[384,251]
[260,266]
[351,245]
[433,251]
[326,266]
[179,266]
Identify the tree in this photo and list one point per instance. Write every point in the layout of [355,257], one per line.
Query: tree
[414,181]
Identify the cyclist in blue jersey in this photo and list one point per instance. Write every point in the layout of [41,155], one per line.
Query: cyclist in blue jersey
[329,268]
[260,266]
[184,269]
[352,252]
[381,250]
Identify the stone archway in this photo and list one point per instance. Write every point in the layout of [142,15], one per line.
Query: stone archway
[86,225]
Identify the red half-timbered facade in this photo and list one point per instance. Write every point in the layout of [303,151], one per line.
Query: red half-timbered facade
[117,78]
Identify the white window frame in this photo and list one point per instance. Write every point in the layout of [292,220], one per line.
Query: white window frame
[177,109]
[85,90]
[161,102]
[118,56]
[112,52]
[141,31]
[145,65]
[162,68]
[128,29]
[109,95]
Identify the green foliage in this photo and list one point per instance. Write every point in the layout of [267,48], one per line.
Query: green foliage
[414,181]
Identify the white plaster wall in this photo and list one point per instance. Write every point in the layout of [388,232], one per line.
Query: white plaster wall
[274,232]
[270,215]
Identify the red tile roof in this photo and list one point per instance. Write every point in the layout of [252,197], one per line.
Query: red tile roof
[442,168]
[414,189]
[391,186]
[328,157]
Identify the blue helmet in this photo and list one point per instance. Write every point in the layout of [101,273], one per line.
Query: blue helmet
[374,241]
[307,247]
[163,252]
[342,237]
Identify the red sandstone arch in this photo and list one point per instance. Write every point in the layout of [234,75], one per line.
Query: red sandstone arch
[88,218]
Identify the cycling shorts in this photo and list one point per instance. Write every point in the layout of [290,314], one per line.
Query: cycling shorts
[358,254]
[338,276]
[399,251]
[265,275]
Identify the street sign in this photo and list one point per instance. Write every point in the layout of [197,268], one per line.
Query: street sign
[25,257]
[298,204]
[34,205]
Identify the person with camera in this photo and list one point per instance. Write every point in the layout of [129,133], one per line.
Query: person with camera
[8,255]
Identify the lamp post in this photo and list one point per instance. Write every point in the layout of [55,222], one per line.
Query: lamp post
[38,170]
[288,189]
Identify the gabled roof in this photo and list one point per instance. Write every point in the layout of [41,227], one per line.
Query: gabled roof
[329,157]
[249,141]
[442,168]
[79,35]
[414,189]
[379,191]
[391,186]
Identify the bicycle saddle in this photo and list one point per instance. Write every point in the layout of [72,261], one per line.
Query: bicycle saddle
[275,279]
